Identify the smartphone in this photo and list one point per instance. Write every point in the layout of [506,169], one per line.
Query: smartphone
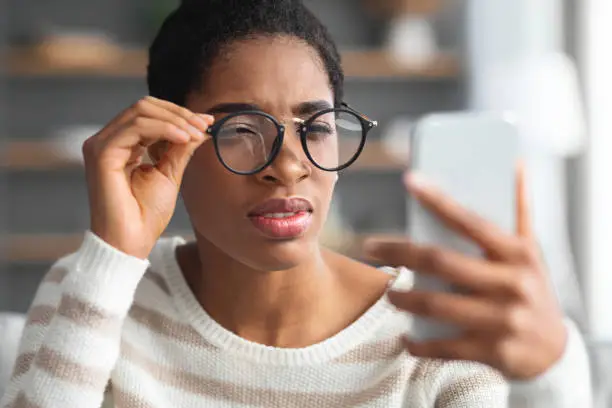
[472,158]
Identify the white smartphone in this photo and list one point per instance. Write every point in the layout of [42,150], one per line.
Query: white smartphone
[472,158]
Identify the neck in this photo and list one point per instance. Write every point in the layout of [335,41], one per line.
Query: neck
[286,308]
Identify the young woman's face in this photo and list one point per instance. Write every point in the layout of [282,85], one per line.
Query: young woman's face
[286,79]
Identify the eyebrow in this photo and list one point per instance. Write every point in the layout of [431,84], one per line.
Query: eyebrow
[303,109]
[233,107]
[310,107]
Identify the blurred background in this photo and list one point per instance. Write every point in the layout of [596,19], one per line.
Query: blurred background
[69,66]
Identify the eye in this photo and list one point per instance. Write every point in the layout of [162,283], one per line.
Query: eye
[321,128]
[239,129]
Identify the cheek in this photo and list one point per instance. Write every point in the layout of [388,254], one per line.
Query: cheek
[206,188]
[326,183]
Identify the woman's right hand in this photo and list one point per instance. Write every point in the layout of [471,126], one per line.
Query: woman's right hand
[130,203]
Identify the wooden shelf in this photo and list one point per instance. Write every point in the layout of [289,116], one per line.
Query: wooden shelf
[367,64]
[44,248]
[18,248]
[34,155]
[27,63]
[41,156]
[379,64]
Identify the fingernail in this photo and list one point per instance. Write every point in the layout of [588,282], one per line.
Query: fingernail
[208,119]
[416,182]
[200,122]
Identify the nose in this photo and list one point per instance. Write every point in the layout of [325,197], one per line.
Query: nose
[290,165]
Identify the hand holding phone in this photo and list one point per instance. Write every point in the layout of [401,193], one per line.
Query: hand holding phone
[472,159]
[481,289]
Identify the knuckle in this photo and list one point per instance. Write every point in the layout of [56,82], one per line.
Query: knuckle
[90,146]
[184,112]
[514,319]
[87,147]
[524,285]
[523,251]
[168,128]
[181,122]
[140,122]
[142,104]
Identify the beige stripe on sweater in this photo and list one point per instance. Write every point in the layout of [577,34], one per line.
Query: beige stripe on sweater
[241,394]
[58,366]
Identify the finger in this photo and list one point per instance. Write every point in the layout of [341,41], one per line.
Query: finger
[465,312]
[524,226]
[464,348]
[473,274]
[200,121]
[146,131]
[465,222]
[174,161]
[154,108]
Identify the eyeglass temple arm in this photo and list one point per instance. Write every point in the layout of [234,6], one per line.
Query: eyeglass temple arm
[373,123]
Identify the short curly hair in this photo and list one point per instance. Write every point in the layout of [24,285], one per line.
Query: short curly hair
[198,31]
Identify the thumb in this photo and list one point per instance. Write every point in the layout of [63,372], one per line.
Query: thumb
[173,162]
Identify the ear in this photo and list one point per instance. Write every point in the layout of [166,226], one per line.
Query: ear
[157,150]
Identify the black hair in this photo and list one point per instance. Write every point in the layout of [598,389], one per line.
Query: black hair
[196,33]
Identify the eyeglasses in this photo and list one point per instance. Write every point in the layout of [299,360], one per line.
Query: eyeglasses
[247,142]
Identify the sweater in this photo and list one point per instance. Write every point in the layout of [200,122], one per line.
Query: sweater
[108,328]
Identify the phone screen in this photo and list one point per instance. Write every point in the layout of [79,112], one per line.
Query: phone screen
[472,158]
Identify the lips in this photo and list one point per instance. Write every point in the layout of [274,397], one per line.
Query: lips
[281,206]
[282,218]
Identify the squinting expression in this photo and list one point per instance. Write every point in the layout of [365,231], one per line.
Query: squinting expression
[285,78]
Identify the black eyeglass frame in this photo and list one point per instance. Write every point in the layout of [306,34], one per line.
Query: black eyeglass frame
[366,125]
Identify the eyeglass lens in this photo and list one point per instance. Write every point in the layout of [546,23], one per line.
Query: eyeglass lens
[246,142]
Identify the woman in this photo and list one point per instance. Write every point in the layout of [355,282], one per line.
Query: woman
[244,119]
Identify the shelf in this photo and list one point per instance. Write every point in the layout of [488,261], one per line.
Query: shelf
[34,155]
[18,248]
[41,156]
[378,64]
[367,64]
[44,248]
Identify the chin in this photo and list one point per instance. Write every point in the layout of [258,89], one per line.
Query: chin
[280,255]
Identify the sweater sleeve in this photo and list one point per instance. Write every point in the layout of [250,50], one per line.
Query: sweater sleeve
[566,385]
[71,340]
[463,384]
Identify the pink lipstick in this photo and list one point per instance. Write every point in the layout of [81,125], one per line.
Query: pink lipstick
[286,218]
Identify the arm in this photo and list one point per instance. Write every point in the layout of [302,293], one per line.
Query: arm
[566,385]
[72,337]
[462,384]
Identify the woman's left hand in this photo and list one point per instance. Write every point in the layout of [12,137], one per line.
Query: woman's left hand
[510,320]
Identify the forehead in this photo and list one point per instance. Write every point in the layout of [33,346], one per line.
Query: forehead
[275,73]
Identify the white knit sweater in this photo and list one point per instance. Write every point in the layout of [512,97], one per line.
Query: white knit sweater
[101,317]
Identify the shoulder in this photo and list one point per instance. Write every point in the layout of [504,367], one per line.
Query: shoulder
[460,384]
[360,272]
